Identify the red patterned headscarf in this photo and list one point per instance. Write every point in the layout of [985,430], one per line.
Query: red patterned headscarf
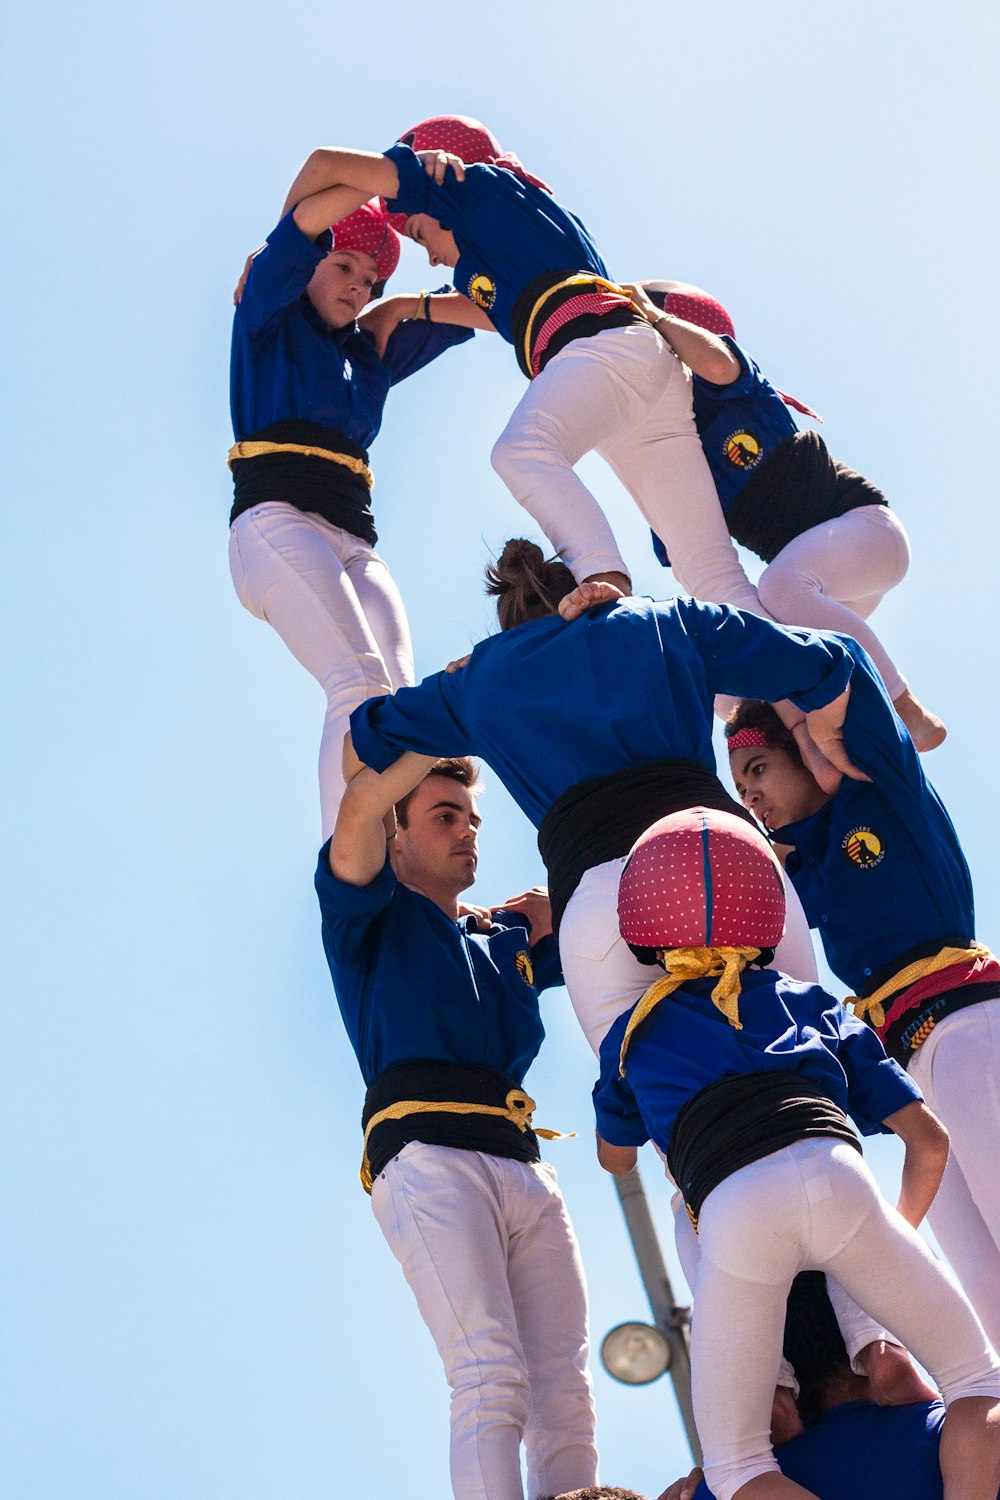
[469,139]
[368,229]
[701,879]
[699,308]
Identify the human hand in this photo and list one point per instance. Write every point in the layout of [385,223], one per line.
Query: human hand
[826,730]
[482,914]
[436,164]
[536,907]
[589,596]
[683,1489]
[459,662]
[641,301]
[238,293]
[381,319]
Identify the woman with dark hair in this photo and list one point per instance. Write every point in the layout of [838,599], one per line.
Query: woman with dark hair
[597,726]
[881,875]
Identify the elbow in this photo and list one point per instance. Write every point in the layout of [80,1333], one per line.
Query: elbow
[722,368]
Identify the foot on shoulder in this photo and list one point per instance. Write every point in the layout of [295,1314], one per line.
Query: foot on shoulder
[895,1379]
[927,731]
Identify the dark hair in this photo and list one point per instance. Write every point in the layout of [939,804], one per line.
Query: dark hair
[750,714]
[814,1345]
[460,768]
[596,1492]
[525,586]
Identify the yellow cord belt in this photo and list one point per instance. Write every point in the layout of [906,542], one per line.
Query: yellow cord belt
[254,449]
[518,1107]
[580,280]
[683,964]
[872,1006]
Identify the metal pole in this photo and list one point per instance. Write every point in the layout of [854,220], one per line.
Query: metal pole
[667,1315]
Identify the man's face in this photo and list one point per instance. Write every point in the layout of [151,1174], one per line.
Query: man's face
[341,285]
[439,243]
[438,847]
[773,786]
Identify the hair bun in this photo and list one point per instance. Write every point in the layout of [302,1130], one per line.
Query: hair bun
[519,556]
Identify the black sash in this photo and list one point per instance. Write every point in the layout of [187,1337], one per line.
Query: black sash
[437,1082]
[740,1119]
[601,818]
[582,327]
[319,486]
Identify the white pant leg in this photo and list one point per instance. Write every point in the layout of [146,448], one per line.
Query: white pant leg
[457,1221]
[602,974]
[547,1287]
[832,577]
[795,955]
[958,1072]
[333,602]
[811,1205]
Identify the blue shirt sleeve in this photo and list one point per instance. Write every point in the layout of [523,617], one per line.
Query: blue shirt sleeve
[463,206]
[749,657]
[874,735]
[876,1086]
[349,910]
[279,274]
[415,342]
[619,1121]
[427,718]
[546,963]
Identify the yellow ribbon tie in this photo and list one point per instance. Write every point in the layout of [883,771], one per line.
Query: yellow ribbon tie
[683,964]
[518,1107]
[255,449]
[873,1006]
[583,279]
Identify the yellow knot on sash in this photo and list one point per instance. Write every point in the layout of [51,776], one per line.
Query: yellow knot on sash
[518,1107]
[683,964]
[581,280]
[255,449]
[873,1006]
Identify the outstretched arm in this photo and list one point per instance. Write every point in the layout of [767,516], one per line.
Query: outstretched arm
[357,848]
[381,319]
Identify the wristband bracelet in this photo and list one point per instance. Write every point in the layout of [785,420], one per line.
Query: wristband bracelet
[421,308]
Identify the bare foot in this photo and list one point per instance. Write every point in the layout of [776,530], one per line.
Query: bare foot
[590,594]
[894,1377]
[927,731]
[785,1420]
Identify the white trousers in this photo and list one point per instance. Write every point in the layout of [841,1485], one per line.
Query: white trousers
[958,1072]
[333,602]
[602,974]
[488,1250]
[832,577]
[626,394]
[814,1205]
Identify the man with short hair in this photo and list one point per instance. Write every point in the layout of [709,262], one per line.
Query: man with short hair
[444,1020]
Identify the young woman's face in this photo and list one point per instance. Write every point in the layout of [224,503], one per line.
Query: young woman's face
[341,285]
[773,786]
[439,243]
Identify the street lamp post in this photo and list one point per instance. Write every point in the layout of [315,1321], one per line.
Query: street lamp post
[671,1319]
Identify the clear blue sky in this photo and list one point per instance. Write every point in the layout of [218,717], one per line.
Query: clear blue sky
[197,1304]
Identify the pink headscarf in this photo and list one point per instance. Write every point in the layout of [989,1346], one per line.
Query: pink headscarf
[468,139]
[368,229]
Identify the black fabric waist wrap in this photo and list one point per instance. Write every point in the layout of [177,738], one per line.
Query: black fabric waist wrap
[740,1119]
[582,327]
[902,1030]
[317,485]
[601,818]
[798,486]
[444,1082]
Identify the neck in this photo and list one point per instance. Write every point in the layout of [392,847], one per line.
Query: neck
[845,1387]
[444,896]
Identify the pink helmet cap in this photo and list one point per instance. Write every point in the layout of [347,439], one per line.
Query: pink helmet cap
[700,308]
[701,879]
[368,229]
[469,139]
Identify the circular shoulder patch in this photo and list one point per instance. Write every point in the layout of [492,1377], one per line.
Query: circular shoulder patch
[525,968]
[863,848]
[743,450]
[482,291]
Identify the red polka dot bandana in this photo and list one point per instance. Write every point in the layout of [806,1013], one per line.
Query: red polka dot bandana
[701,879]
[469,139]
[368,229]
[700,308]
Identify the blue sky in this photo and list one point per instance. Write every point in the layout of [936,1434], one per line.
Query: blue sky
[197,1303]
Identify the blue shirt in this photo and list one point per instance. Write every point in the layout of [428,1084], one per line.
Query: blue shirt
[686,1043]
[740,425]
[287,362]
[508,231]
[413,984]
[879,868]
[860,1451]
[550,704]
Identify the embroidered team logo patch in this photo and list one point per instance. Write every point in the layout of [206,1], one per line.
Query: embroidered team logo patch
[743,450]
[482,291]
[524,967]
[863,848]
